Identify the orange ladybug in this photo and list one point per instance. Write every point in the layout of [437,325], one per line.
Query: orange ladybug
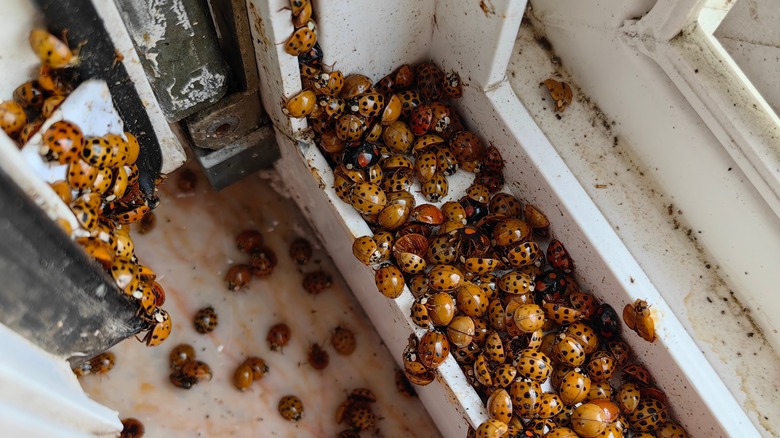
[560,92]
[637,317]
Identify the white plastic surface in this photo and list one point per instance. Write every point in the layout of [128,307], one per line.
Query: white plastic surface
[41,396]
[477,42]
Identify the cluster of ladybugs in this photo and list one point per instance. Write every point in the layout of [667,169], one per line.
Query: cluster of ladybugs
[511,311]
[101,182]
[356,411]
[34,101]
[483,286]
[186,371]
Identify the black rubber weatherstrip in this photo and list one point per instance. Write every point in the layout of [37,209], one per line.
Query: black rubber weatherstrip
[98,60]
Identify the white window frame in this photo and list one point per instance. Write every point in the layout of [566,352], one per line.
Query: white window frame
[716,88]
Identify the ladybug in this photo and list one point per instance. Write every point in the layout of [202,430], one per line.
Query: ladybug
[243,377]
[551,285]
[133,148]
[524,254]
[425,166]
[278,336]
[499,405]
[550,405]
[160,329]
[350,127]
[492,428]
[474,210]
[537,220]
[361,156]
[302,40]
[533,365]
[600,390]
[50,105]
[648,415]
[441,308]
[197,370]
[510,231]
[446,161]
[318,357]
[206,320]
[29,95]
[440,118]
[399,180]
[392,110]
[120,150]
[493,181]
[467,146]
[398,137]
[671,429]
[249,241]
[529,318]
[494,347]
[574,386]
[104,178]
[620,351]
[367,104]
[504,375]
[560,92]
[583,334]
[585,303]
[638,318]
[311,58]
[409,101]
[637,373]
[29,130]
[607,322]
[263,262]
[316,282]
[601,366]
[300,251]
[329,84]
[360,417]
[179,355]
[435,189]
[482,371]
[472,300]
[444,278]
[132,428]
[147,298]
[102,363]
[558,257]
[561,313]
[238,277]
[514,282]
[258,366]
[291,408]
[452,87]
[429,81]
[460,331]
[588,420]
[300,105]
[98,152]
[419,313]
[334,106]
[86,209]
[433,349]
[568,351]
[63,142]
[420,119]
[81,176]
[628,396]
[504,203]
[180,380]
[50,50]
[526,397]
[355,85]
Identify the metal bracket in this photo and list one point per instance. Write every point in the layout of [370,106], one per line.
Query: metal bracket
[236,126]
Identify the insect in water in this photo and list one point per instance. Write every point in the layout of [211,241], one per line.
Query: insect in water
[560,92]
